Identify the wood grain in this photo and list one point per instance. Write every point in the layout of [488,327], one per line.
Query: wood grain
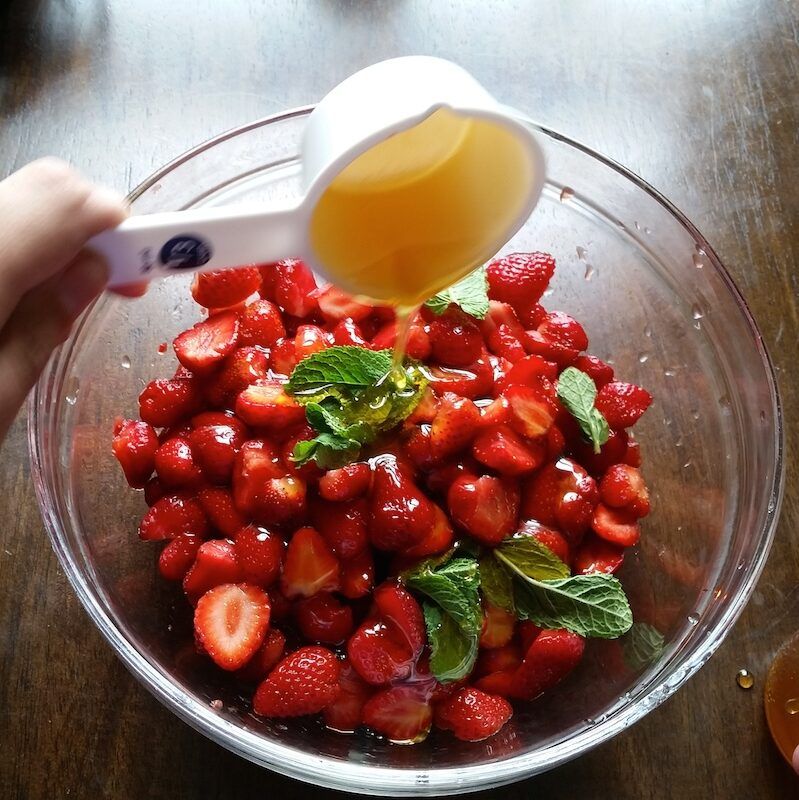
[700,99]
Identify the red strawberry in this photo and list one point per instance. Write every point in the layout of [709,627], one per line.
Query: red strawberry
[261,324]
[335,305]
[324,619]
[612,452]
[153,491]
[549,538]
[498,627]
[401,512]
[309,566]
[418,345]
[310,471]
[203,347]
[425,411]
[378,655]
[486,507]
[135,444]
[230,623]
[563,496]
[622,404]
[345,712]
[564,330]
[215,445]
[402,613]
[308,340]
[454,425]
[172,516]
[550,350]
[178,556]
[166,401]
[500,315]
[473,715]
[358,576]
[225,287]
[531,412]
[295,288]
[176,465]
[556,443]
[531,316]
[618,526]
[346,483]
[596,369]
[343,526]
[284,356]
[499,683]
[623,486]
[597,555]
[438,540]
[304,682]
[528,633]
[259,554]
[214,565]
[498,659]
[401,714]
[265,404]
[217,503]
[500,449]
[520,278]
[507,345]
[455,339]
[347,332]
[474,380]
[551,656]
[268,280]
[632,456]
[528,372]
[241,368]
[265,658]
[210,419]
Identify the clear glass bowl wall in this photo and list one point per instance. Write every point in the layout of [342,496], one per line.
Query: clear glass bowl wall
[655,302]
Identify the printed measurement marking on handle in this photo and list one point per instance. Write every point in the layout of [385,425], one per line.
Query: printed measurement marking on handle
[185,251]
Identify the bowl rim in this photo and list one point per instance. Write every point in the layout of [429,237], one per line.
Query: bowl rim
[367,779]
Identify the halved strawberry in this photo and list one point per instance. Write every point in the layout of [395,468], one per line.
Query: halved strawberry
[230,623]
[378,654]
[618,526]
[548,537]
[597,555]
[294,287]
[501,449]
[622,404]
[473,715]
[596,369]
[203,347]
[358,576]
[323,618]
[455,339]
[529,371]
[214,565]
[563,329]
[552,655]
[268,279]
[167,401]
[473,380]
[225,287]
[261,324]
[153,491]
[500,683]
[335,305]
[265,404]
[425,410]
[498,659]
[343,526]
[401,714]
[623,486]
[486,507]
[178,556]
[345,712]
[508,346]
[612,452]
[528,632]
[171,516]
[519,278]
[135,444]
[561,354]
[632,456]
[498,627]
[500,315]
[217,503]
[309,566]
[309,339]
[347,332]
[399,609]
[454,425]
[438,540]
[304,682]
[497,412]
[215,443]
[241,368]
[346,483]
[255,464]
[284,356]
[259,553]
[176,465]
[265,657]
[531,411]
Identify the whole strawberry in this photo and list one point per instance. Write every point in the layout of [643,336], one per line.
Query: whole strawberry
[473,715]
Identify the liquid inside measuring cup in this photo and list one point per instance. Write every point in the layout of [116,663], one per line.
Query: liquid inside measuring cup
[421,209]
[782,698]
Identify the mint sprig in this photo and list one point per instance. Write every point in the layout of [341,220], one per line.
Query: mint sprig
[469,293]
[577,391]
[343,366]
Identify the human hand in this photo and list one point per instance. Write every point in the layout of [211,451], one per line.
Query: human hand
[47,275]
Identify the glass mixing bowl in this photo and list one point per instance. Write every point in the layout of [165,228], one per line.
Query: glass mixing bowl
[655,301]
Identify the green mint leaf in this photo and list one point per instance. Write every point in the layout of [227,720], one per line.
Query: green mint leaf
[341,366]
[531,559]
[577,391]
[304,451]
[329,450]
[325,419]
[589,605]
[470,293]
[453,587]
[496,584]
[452,652]
[642,646]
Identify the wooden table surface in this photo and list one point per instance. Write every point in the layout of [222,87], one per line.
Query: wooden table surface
[699,98]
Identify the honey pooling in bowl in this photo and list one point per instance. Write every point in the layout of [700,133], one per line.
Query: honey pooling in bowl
[782,699]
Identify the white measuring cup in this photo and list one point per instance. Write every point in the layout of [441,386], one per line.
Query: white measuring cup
[386,134]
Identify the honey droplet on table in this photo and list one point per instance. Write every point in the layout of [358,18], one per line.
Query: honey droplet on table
[782,698]
[745,679]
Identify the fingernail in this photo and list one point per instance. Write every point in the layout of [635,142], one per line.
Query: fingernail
[107,201]
[83,280]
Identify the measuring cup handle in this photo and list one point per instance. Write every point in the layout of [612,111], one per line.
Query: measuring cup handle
[154,245]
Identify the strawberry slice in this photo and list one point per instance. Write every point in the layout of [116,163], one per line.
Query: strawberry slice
[473,380]
[400,610]
[498,627]
[284,356]
[304,682]
[347,332]
[472,715]
[438,540]
[618,526]
[531,411]
[552,655]
[487,508]
[500,315]
[346,483]
[201,348]
[265,404]
[171,516]
[134,445]
[335,305]
[401,714]
[225,287]
[309,339]
[230,623]
[454,425]
[597,555]
[294,287]
[309,566]
[345,712]
[596,369]
[266,656]
[622,404]
[501,449]
[529,371]
[214,565]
